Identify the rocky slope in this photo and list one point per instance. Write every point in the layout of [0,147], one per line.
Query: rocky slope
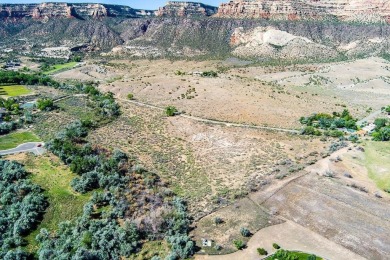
[343,10]
[186,37]
[186,9]
[65,10]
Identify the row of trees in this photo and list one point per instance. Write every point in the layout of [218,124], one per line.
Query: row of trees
[21,206]
[14,77]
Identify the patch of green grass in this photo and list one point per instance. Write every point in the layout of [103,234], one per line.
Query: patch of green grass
[14,90]
[14,139]
[64,204]
[150,249]
[59,67]
[295,255]
[378,163]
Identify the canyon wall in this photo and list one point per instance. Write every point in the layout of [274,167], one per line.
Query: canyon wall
[186,9]
[342,10]
[65,10]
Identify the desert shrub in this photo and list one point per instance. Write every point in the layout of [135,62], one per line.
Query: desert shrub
[46,104]
[335,146]
[130,96]
[180,73]
[334,133]
[181,245]
[170,111]
[310,130]
[276,246]
[218,220]
[245,232]
[239,244]
[7,127]
[211,74]
[262,251]
[218,247]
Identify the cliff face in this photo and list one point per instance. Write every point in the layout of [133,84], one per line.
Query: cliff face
[343,10]
[64,10]
[186,9]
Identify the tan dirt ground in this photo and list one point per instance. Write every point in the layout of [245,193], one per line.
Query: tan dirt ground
[290,236]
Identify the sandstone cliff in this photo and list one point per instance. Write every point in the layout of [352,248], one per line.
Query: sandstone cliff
[343,10]
[65,10]
[186,9]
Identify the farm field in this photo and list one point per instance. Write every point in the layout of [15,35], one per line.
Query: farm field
[12,140]
[14,90]
[59,67]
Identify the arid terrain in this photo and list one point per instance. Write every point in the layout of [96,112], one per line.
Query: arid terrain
[252,130]
[214,164]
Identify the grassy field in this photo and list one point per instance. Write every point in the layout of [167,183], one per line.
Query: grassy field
[14,90]
[59,67]
[64,203]
[378,163]
[14,139]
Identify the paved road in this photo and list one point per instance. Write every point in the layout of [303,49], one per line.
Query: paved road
[26,147]
[215,122]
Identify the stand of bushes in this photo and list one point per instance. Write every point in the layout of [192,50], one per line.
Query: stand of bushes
[318,124]
[100,235]
[21,207]
[382,130]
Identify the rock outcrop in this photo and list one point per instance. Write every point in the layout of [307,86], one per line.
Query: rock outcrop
[343,10]
[269,42]
[65,10]
[185,9]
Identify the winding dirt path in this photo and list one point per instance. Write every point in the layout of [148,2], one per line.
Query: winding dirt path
[215,122]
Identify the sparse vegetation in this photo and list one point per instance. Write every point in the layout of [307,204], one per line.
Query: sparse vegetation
[210,74]
[239,244]
[245,232]
[262,251]
[130,96]
[170,110]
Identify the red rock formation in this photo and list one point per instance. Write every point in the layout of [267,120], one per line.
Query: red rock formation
[185,9]
[353,10]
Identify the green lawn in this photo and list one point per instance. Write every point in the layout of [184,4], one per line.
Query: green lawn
[14,139]
[378,163]
[58,67]
[14,90]
[64,203]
